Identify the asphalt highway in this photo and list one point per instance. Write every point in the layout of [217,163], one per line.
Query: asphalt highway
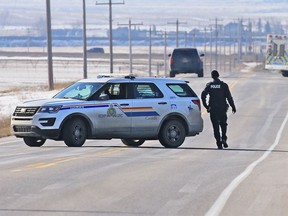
[104,177]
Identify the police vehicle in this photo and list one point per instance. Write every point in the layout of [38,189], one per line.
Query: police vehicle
[277,53]
[131,109]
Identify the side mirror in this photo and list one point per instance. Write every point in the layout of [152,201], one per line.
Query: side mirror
[202,55]
[169,55]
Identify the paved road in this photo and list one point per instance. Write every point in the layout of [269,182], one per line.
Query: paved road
[107,178]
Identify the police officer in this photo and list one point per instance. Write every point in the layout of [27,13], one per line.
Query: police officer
[219,94]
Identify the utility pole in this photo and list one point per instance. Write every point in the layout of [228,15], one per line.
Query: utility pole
[49,46]
[130,42]
[194,44]
[150,52]
[205,48]
[240,40]
[165,53]
[216,43]
[110,31]
[84,42]
[211,48]
[250,38]
[234,51]
[224,56]
[230,41]
[177,30]
[185,39]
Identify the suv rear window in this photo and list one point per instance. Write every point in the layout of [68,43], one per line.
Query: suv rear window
[181,90]
[184,53]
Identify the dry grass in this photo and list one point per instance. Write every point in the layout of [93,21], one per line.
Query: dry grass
[16,89]
[5,127]
[62,85]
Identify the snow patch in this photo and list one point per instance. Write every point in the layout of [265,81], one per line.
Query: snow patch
[9,101]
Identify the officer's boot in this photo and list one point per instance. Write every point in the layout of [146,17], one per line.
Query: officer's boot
[224,142]
[219,145]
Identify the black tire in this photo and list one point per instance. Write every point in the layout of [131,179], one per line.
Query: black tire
[75,132]
[172,74]
[201,73]
[133,142]
[34,141]
[285,73]
[172,134]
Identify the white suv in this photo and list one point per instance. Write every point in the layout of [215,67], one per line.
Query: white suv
[131,109]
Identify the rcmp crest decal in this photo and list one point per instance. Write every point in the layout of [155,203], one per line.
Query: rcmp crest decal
[111,111]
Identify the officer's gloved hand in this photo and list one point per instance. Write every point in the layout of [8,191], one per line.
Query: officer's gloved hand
[208,109]
[234,110]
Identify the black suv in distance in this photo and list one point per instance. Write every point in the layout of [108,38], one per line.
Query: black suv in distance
[186,60]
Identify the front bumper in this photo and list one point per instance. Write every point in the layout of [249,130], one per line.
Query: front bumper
[34,131]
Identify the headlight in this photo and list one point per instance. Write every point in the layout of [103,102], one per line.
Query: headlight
[49,109]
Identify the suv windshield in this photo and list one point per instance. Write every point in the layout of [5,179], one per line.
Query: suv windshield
[79,90]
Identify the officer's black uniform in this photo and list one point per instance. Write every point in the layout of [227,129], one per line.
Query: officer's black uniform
[219,94]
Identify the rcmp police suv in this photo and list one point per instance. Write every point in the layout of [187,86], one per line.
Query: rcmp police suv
[131,109]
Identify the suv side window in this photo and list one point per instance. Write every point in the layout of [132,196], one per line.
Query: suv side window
[112,91]
[146,90]
[181,90]
[116,91]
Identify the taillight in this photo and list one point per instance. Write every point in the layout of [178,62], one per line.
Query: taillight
[171,60]
[198,103]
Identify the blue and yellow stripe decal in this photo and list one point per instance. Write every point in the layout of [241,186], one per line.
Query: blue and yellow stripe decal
[84,106]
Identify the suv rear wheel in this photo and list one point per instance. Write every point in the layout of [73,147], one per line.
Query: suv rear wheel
[172,73]
[75,132]
[133,142]
[172,134]
[200,73]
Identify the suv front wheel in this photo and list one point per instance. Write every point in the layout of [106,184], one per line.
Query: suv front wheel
[172,134]
[33,141]
[75,132]
[200,73]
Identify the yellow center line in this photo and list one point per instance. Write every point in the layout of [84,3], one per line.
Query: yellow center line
[43,165]
[232,85]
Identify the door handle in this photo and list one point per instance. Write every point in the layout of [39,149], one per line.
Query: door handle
[124,104]
[162,103]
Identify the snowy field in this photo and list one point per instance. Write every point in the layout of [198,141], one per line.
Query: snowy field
[24,78]
[9,100]
[26,70]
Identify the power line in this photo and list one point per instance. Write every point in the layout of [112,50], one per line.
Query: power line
[130,41]
[110,30]
[177,30]
[216,42]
